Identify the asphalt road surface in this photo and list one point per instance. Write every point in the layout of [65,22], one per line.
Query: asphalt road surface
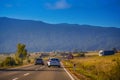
[34,72]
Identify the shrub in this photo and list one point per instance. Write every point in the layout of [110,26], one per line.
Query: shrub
[81,54]
[9,61]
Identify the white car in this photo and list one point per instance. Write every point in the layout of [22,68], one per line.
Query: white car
[53,62]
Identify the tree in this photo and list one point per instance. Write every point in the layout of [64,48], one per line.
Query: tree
[115,50]
[21,53]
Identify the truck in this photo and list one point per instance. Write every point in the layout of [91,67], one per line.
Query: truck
[106,52]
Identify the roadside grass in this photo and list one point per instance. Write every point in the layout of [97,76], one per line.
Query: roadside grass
[95,67]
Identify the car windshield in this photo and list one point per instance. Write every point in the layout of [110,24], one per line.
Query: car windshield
[39,59]
[54,59]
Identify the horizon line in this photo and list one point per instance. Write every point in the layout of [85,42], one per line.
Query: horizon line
[38,20]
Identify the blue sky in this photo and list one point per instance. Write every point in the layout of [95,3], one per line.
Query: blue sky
[93,12]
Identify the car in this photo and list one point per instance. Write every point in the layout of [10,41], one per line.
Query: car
[53,62]
[39,61]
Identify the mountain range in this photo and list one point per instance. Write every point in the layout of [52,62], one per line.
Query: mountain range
[41,36]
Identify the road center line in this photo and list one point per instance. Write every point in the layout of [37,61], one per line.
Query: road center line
[68,73]
[39,68]
[36,69]
[42,67]
[15,79]
[26,74]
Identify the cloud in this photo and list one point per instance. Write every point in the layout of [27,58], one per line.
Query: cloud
[59,4]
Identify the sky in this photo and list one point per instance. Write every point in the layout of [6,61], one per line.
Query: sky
[104,13]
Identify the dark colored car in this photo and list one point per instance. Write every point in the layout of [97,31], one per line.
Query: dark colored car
[39,61]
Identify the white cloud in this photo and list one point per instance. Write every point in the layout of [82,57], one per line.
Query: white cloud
[59,4]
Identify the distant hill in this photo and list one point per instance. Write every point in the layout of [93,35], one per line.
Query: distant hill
[41,36]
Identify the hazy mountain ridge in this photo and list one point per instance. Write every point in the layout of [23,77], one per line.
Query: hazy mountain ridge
[40,36]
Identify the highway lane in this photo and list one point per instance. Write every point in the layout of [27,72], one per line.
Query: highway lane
[34,72]
[9,74]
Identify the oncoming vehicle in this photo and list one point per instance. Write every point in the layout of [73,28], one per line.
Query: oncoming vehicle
[53,62]
[39,61]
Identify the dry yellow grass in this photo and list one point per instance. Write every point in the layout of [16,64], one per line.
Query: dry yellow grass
[94,67]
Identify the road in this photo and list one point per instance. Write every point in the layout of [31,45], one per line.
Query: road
[34,72]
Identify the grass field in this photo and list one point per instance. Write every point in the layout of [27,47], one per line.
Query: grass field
[94,67]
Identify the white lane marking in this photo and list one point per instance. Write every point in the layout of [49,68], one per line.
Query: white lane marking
[26,74]
[68,72]
[42,67]
[39,68]
[36,69]
[15,79]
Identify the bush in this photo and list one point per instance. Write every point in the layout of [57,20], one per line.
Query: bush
[9,61]
[81,54]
